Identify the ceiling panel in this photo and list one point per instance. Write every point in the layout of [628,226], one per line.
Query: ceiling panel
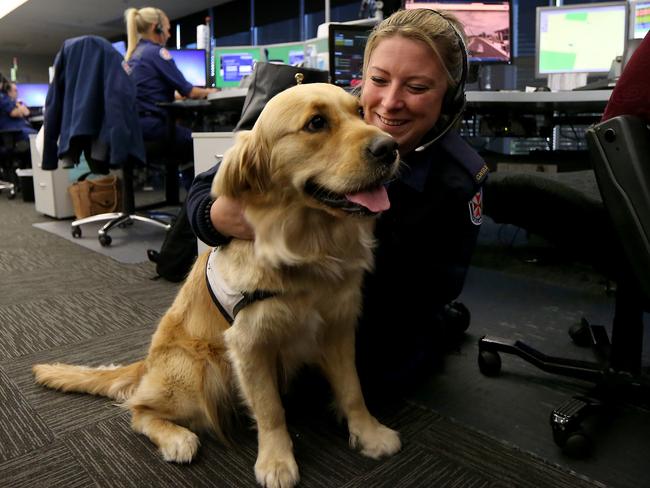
[41,26]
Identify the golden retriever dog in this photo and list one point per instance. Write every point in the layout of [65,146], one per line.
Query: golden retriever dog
[311,176]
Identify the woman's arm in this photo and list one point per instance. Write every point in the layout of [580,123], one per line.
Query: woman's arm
[214,221]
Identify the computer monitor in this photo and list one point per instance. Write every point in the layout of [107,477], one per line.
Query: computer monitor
[582,38]
[487,27]
[346,44]
[289,53]
[639,19]
[120,47]
[233,63]
[32,94]
[191,62]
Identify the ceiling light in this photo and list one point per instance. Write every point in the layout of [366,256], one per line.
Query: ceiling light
[8,6]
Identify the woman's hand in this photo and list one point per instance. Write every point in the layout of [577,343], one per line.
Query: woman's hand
[227,216]
[198,92]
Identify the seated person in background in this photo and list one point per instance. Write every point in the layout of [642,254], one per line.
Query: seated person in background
[631,96]
[156,76]
[13,113]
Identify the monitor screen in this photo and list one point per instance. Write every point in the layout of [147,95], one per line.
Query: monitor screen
[32,94]
[580,38]
[487,27]
[290,53]
[639,19]
[233,63]
[120,47]
[191,62]
[346,46]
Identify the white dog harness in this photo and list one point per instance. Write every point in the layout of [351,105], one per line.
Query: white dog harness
[229,301]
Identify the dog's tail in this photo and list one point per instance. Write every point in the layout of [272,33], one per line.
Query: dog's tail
[117,382]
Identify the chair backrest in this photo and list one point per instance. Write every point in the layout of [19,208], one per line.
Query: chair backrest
[620,154]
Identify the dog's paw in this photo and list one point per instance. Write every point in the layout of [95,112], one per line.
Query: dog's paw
[277,472]
[376,441]
[181,447]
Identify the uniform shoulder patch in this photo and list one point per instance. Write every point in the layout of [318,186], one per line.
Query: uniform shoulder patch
[165,54]
[476,208]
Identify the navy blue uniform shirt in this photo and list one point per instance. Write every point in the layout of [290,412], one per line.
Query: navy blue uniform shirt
[7,122]
[156,76]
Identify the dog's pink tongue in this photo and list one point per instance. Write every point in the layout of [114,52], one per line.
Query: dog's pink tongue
[374,200]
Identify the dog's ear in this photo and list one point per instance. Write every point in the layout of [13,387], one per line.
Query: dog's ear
[244,167]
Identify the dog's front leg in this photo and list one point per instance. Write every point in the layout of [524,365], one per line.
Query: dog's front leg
[256,371]
[374,439]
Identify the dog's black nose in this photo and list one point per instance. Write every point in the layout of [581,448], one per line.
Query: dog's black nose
[383,149]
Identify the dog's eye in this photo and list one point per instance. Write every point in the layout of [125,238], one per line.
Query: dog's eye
[316,123]
[361,112]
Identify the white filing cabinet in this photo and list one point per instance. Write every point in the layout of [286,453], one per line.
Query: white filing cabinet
[50,187]
[209,147]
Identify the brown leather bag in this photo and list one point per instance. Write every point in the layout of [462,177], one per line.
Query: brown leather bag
[96,196]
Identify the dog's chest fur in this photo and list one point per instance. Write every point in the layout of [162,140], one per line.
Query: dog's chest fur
[313,291]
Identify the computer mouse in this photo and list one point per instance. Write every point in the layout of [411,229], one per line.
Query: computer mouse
[542,89]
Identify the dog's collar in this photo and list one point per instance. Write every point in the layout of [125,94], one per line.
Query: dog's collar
[229,302]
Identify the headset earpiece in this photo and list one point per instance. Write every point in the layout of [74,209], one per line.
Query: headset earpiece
[4,84]
[158,29]
[453,102]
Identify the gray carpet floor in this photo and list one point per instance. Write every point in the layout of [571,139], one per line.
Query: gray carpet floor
[129,245]
[62,301]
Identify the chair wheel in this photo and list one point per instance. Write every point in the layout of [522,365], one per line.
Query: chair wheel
[105,240]
[581,333]
[489,363]
[11,195]
[458,317]
[76,232]
[576,444]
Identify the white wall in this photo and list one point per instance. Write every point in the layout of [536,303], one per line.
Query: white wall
[31,68]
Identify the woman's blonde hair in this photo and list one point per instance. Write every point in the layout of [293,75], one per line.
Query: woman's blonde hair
[138,21]
[435,29]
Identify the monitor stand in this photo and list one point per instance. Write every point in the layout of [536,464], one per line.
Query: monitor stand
[481,74]
[566,81]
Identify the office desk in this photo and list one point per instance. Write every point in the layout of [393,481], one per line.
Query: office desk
[574,102]
[532,114]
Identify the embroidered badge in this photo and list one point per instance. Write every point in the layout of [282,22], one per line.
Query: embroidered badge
[126,67]
[476,208]
[165,54]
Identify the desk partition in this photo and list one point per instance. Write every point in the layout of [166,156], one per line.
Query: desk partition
[232,63]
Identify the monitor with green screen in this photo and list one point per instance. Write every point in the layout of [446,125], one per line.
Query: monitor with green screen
[289,53]
[581,38]
[233,63]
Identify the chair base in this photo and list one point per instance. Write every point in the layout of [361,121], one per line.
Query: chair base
[612,386]
[5,185]
[119,219]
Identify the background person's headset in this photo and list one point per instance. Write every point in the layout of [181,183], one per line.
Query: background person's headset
[158,28]
[453,103]
[5,84]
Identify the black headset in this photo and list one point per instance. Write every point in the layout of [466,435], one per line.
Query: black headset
[158,29]
[453,103]
[5,84]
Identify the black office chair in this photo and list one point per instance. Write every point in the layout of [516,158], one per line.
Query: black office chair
[90,108]
[620,153]
[12,157]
